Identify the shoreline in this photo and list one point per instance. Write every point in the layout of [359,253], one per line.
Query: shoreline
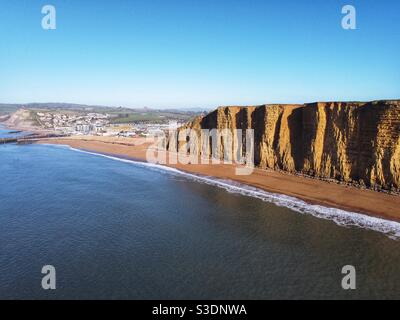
[340,217]
[312,191]
[31,129]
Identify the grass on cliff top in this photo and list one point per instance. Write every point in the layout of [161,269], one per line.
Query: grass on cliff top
[150,116]
[7,109]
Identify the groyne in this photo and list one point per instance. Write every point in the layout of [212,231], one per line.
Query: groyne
[31,138]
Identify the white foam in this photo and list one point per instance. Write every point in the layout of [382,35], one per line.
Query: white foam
[340,217]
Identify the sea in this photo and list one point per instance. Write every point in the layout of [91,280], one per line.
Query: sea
[120,229]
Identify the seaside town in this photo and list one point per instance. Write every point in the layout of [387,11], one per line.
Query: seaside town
[101,125]
[66,122]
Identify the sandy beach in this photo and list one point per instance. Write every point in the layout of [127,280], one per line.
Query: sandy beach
[310,190]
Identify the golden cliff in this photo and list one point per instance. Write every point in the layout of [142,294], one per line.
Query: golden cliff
[351,142]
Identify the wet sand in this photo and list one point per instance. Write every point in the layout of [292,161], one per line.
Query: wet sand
[310,190]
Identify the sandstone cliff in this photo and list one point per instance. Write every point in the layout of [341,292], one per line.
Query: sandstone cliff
[352,142]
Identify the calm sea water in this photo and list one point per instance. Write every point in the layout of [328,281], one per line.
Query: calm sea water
[5,133]
[120,230]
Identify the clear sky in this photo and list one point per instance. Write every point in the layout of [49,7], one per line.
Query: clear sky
[198,53]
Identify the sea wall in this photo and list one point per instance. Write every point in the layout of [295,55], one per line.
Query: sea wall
[351,142]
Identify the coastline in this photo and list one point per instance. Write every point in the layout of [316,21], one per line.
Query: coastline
[27,129]
[311,191]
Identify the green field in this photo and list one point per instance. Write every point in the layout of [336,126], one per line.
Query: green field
[150,116]
[7,109]
[118,115]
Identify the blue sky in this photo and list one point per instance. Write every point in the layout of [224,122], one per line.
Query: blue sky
[198,53]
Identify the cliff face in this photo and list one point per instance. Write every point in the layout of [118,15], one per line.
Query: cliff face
[357,143]
[21,119]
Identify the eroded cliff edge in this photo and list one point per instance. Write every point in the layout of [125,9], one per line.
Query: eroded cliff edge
[351,142]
